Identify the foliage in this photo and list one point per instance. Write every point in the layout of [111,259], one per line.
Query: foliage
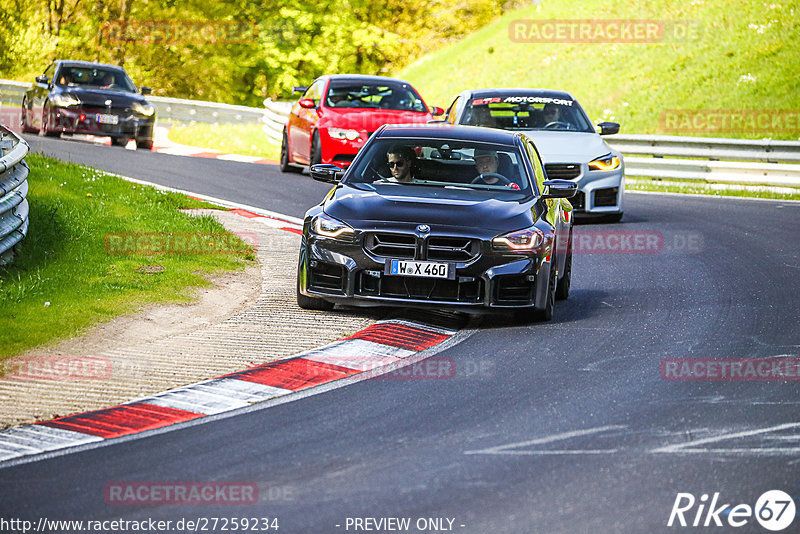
[230,50]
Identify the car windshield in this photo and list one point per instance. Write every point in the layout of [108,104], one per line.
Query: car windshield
[374,95]
[95,77]
[527,113]
[439,163]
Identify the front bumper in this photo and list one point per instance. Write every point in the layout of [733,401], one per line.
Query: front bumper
[599,192]
[340,152]
[83,120]
[346,273]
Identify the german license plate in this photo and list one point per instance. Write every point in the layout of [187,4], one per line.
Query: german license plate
[104,118]
[425,269]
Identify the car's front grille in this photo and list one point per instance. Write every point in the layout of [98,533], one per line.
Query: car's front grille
[606,197]
[409,287]
[453,248]
[434,248]
[563,171]
[391,245]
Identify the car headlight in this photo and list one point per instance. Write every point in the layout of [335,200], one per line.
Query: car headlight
[143,109]
[527,239]
[327,226]
[342,133]
[605,163]
[65,100]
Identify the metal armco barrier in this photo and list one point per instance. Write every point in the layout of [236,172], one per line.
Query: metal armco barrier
[13,189]
[764,162]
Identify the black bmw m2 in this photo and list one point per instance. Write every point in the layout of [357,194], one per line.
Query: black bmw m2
[439,216]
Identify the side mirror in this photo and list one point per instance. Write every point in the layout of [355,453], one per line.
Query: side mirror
[299,89]
[608,128]
[41,79]
[145,90]
[436,111]
[307,103]
[559,189]
[326,172]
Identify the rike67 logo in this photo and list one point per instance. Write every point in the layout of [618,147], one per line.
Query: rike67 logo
[774,510]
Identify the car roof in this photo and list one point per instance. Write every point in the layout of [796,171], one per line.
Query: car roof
[449,131]
[364,78]
[76,63]
[547,93]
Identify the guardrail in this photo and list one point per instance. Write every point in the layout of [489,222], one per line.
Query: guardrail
[756,162]
[13,190]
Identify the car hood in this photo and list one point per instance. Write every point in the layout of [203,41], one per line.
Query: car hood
[98,97]
[437,207]
[567,147]
[369,120]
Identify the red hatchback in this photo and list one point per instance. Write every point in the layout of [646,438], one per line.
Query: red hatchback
[338,113]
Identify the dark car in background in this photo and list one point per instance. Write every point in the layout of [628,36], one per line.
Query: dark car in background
[442,216]
[79,97]
[568,142]
[337,114]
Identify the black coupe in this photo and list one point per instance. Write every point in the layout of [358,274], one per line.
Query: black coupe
[89,98]
[443,216]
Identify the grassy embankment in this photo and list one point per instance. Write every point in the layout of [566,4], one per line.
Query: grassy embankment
[741,56]
[71,273]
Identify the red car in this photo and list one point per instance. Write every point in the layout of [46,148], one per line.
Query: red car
[338,113]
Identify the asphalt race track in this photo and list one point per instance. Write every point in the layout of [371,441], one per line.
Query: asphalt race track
[566,427]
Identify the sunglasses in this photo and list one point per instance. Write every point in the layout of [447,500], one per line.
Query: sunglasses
[393,164]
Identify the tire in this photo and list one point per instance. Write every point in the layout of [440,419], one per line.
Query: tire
[316,149]
[24,124]
[286,165]
[311,303]
[119,141]
[144,144]
[562,286]
[45,129]
[541,315]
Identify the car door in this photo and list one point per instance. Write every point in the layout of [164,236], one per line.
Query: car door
[302,122]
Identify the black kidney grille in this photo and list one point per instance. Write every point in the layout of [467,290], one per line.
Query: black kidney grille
[563,171]
[453,248]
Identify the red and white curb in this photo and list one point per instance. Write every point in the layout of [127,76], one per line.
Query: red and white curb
[380,348]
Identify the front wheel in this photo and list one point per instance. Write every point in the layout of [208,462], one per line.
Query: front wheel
[562,287]
[546,313]
[316,150]
[311,303]
[119,141]
[286,165]
[47,128]
[144,144]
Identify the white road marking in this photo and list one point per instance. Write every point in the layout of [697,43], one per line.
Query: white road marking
[692,447]
[505,449]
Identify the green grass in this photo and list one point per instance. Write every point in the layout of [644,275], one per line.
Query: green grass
[63,280]
[244,139]
[701,188]
[746,56]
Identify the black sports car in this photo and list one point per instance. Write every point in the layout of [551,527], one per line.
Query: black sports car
[89,98]
[439,215]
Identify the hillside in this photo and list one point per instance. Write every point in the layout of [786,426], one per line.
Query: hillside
[724,56]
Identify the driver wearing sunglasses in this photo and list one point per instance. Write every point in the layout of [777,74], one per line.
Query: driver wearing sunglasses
[400,159]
